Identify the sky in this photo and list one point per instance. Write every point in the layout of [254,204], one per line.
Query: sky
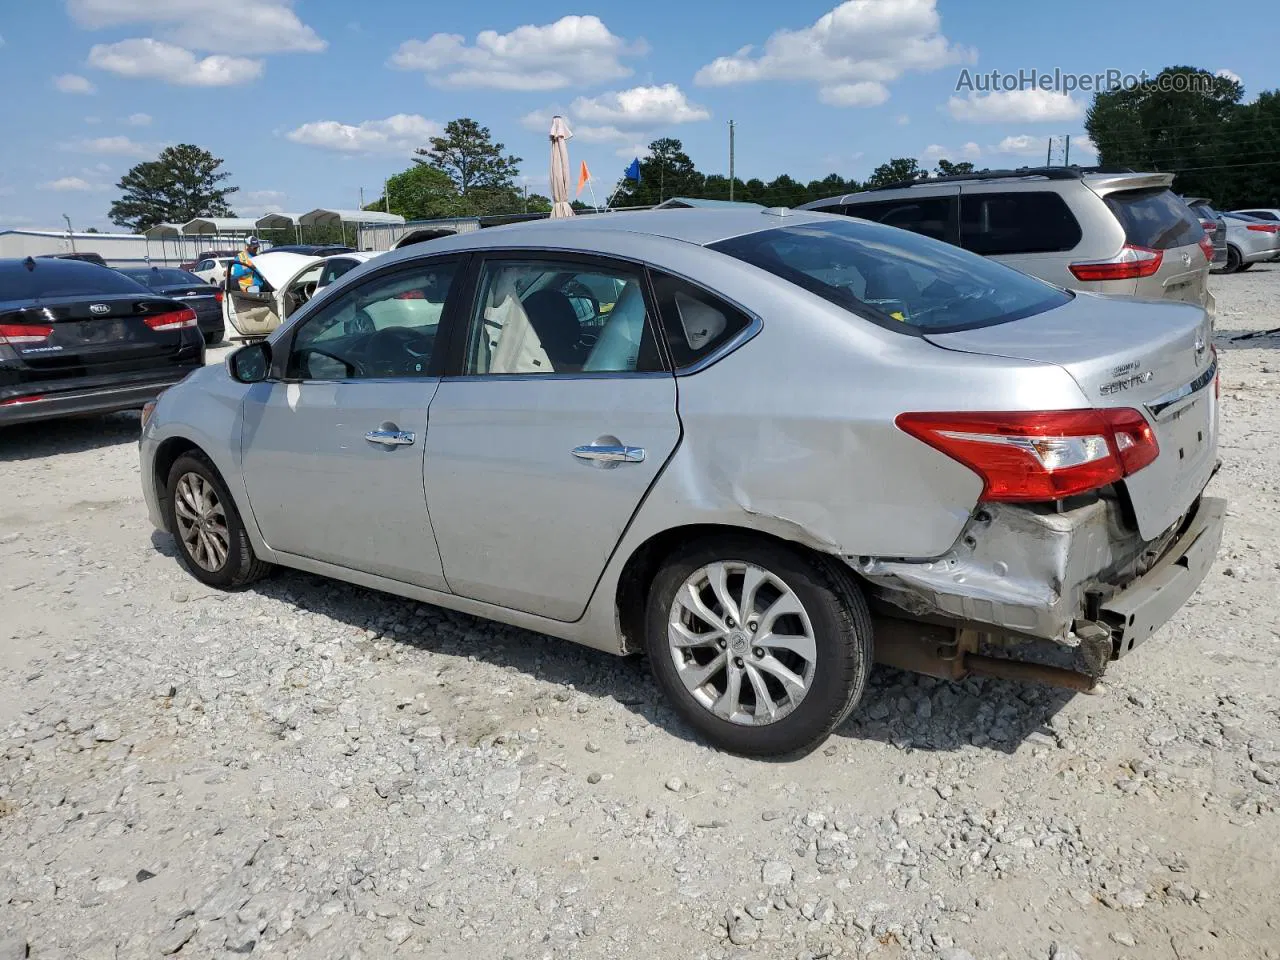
[310,102]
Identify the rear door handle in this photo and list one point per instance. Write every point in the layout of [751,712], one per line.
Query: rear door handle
[609,453]
[390,438]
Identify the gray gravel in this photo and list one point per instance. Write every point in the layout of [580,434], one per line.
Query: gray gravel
[309,769]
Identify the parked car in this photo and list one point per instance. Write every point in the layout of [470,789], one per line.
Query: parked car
[1263,213]
[1119,233]
[787,423]
[312,249]
[186,287]
[1250,241]
[292,279]
[1214,226]
[78,338]
[213,270]
[86,257]
[225,253]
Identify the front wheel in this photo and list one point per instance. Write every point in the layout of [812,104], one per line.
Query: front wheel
[212,542]
[761,649]
[1233,260]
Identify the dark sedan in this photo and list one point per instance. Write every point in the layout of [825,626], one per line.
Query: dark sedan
[205,300]
[78,338]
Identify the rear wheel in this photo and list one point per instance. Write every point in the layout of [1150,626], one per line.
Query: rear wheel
[1234,260]
[212,542]
[762,649]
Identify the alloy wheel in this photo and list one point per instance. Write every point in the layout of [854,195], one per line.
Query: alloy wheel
[202,522]
[742,643]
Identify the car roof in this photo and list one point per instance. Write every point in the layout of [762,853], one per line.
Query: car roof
[590,232]
[1099,181]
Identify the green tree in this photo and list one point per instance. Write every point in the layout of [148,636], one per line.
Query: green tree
[183,183]
[666,172]
[947,168]
[832,185]
[421,193]
[483,174]
[896,170]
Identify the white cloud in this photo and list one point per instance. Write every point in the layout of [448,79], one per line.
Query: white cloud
[859,41]
[70,185]
[398,134]
[935,152]
[258,203]
[864,93]
[1084,144]
[639,108]
[1023,145]
[902,119]
[218,26]
[115,146]
[573,51]
[73,83]
[139,120]
[1229,75]
[145,58]
[633,151]
[1016,106]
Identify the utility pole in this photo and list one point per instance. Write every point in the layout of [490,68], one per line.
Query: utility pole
[1048,154]
[1066,156]
[70,233]
[386,197]
[731,161]
[362,198]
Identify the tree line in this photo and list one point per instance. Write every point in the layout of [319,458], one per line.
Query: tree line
[1218,146]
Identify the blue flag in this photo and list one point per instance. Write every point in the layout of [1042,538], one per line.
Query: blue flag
[633,171]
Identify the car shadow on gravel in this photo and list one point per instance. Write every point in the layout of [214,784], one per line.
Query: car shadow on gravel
[1226,340]
[898,708]
[48,438]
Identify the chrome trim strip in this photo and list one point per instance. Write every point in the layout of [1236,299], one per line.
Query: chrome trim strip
[1162,403]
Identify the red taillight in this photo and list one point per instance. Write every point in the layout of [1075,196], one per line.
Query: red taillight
[17,334]
[1130,263]
[14,401]
[1264,227]
[1040,455]
[1206,244]
[218,295]
[177,320]
[411,295]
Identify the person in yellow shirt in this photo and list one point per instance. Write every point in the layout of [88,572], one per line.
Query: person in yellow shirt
[243,272]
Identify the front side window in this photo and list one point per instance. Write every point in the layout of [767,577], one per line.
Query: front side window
[927,216]
[383,328]
[992,224]
[895,278]
[333,269]
[547,317]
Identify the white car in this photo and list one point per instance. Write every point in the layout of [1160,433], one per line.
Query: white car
[213,270]
[293,279]
[1262,213]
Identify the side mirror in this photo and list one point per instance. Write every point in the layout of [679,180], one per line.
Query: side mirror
[251,363]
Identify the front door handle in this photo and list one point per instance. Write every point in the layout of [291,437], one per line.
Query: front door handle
[609,453]
[390,438]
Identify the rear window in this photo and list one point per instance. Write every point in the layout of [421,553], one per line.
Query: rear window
[1156,219]
[158,277]
[898,279]
[61,278]
[1003,223]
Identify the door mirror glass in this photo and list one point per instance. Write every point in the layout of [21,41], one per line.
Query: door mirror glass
[251,363]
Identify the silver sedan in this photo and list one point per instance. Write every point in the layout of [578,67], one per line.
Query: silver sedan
[765,448]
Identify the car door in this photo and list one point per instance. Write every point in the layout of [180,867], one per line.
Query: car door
[560,417]
[1022,225]
[333,444]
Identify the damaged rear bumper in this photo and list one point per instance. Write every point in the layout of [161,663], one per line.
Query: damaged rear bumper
[1037,573]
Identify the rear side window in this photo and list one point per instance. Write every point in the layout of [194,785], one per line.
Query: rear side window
[928,216]
[1002,223]
[697,323]
[52,278]
[1156,219]
[894,278]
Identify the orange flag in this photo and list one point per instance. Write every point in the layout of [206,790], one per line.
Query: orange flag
[583,176]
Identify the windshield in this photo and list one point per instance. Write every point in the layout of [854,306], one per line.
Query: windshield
[61,278]
[894,277]
[157,277]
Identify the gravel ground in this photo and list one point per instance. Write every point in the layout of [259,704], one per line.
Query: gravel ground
[308,769]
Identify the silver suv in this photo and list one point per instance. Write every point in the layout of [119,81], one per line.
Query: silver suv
[1117,233]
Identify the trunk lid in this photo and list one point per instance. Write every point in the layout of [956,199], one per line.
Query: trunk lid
[1153,357]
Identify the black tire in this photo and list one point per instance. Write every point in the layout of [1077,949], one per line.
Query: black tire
[842,632]
[1233,260]
[241,565]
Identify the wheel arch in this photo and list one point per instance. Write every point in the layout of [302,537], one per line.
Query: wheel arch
[166,455]
[632,589]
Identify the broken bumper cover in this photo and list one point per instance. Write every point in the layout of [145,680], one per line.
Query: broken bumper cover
[1043,573]
[1142,607]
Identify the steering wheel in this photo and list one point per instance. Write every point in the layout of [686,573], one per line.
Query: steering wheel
[396,350]
[360,323]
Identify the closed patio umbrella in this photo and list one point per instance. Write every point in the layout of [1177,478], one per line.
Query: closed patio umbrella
[560,134]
